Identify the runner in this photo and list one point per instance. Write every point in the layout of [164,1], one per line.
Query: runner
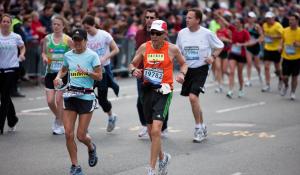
[199,56]
[83,66]
[142,36]
[272,48]
[257,36]
[103,44]
[9,65]
[54,47]
[157,56]
[291,55]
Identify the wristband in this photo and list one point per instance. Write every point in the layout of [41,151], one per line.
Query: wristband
[132,70]
[183,73]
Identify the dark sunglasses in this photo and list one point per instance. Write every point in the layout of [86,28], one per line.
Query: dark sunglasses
[156,33]
[149,17]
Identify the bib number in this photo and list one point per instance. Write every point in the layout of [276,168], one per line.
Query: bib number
[191,53]
[69,94]
[154,76]
[290,50]
[236,49]
[268,39]
[56,65]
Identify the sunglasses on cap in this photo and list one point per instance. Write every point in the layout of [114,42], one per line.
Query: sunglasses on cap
[149,17]
[156,33]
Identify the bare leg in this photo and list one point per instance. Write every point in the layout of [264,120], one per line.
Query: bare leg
[194,100]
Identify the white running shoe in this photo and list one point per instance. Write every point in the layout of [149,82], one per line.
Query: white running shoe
[241,93]
[229,94]
[283,91]
[248,83]
[111,123]
[150,171]
[163,164]
[199,135]
[143,132]
[11,129]
[267,88]
[218,90]
[164,133]
[293,96]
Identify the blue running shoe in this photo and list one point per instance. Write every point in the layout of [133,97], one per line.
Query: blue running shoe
[93,159]
[111,124]
[76,170]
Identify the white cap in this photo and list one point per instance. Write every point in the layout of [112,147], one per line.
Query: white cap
[159,25]
[227,13]
[252,14]
[269,14]
[224,5]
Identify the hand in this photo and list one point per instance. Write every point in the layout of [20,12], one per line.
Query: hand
[296,44]
[180,78]
[21,58]
[80,70]
[45,60]
[209,60]
[57,82]
[137,73]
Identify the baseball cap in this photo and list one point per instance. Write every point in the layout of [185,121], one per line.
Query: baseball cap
[79,34]
[252,14]
[159,25]
[269,14]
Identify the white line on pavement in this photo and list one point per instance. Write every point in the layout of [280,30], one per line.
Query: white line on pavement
[35,109]
[241,107]
[237,173]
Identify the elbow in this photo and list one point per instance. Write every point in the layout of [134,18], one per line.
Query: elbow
[117,50]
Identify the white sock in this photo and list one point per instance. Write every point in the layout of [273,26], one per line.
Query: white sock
[203,125]
[199,126]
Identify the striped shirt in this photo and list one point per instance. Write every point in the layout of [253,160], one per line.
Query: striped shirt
[9,50]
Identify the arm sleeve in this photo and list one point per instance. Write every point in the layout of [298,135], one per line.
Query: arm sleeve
[214,41]
[19,40]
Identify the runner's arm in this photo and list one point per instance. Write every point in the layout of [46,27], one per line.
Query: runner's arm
[137,59]
[114,51]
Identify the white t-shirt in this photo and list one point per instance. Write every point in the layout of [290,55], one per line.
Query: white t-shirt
[100,44]
[196,46]
[9,50]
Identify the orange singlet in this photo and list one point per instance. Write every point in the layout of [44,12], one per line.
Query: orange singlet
[158,67]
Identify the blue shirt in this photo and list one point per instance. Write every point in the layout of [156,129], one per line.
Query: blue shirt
[87,60]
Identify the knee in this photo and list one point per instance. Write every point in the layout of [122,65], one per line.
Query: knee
[155,133]
[193,98]
[69,135]
[81,136]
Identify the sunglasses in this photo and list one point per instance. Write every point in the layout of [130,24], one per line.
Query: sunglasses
[156,33]
[149,17]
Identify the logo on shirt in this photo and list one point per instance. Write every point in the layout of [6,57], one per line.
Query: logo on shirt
[76,74]
[155,58]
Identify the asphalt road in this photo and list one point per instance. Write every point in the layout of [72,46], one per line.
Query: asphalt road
[258,134]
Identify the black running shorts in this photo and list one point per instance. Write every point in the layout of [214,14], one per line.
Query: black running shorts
[290,67]
[194,81]
[80,106]
[273,56]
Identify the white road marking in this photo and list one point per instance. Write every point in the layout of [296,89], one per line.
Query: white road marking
[32,113]
[241,107]
[35,110]
[242,125]
[237,173]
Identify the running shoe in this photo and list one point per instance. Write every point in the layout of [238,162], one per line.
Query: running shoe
[279,86]
[150,171]
[218,90]
[267,88]
[93,159]
[199,135]
[57,129]
[111,123]
[163,164]
[241,93]
[248,83]
[283,91]
[229,94]
[143,132]
[164,133]
[11,129]
[76,170]
[293,96]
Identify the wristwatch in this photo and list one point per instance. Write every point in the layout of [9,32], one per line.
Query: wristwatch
[132,70]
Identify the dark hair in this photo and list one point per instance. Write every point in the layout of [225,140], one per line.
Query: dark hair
[151,10]
[198,13]
[296,15]
[89,20]
[6,15]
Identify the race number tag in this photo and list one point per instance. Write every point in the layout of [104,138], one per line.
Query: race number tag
[191,52]
[268,39]
[236,49]
[56,65]
[290,50]
[69,94]
[154,76]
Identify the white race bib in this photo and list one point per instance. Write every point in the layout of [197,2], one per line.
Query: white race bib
[290,49]
[153,75]
[268,40]
[56,65]
[69,94]
[191,52]
[236,49]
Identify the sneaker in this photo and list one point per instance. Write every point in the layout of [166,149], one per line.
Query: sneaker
[199,135]
[150,171]
[218,90]
[11,129]
[293,96]
[267,88]
[283,91]
[248,83]
[279,86]
[143,132]
[229,94]
[59,130]
[164,133]
[76,170]
[260,79]
[204,130]
[163,164]
[241,93]
[111,124]
[93,159]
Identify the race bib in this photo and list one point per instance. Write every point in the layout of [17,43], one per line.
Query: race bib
[69,94]
[191,52]
[290,50]
[154,76]
[236,49]
[268,39]
[56,65]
